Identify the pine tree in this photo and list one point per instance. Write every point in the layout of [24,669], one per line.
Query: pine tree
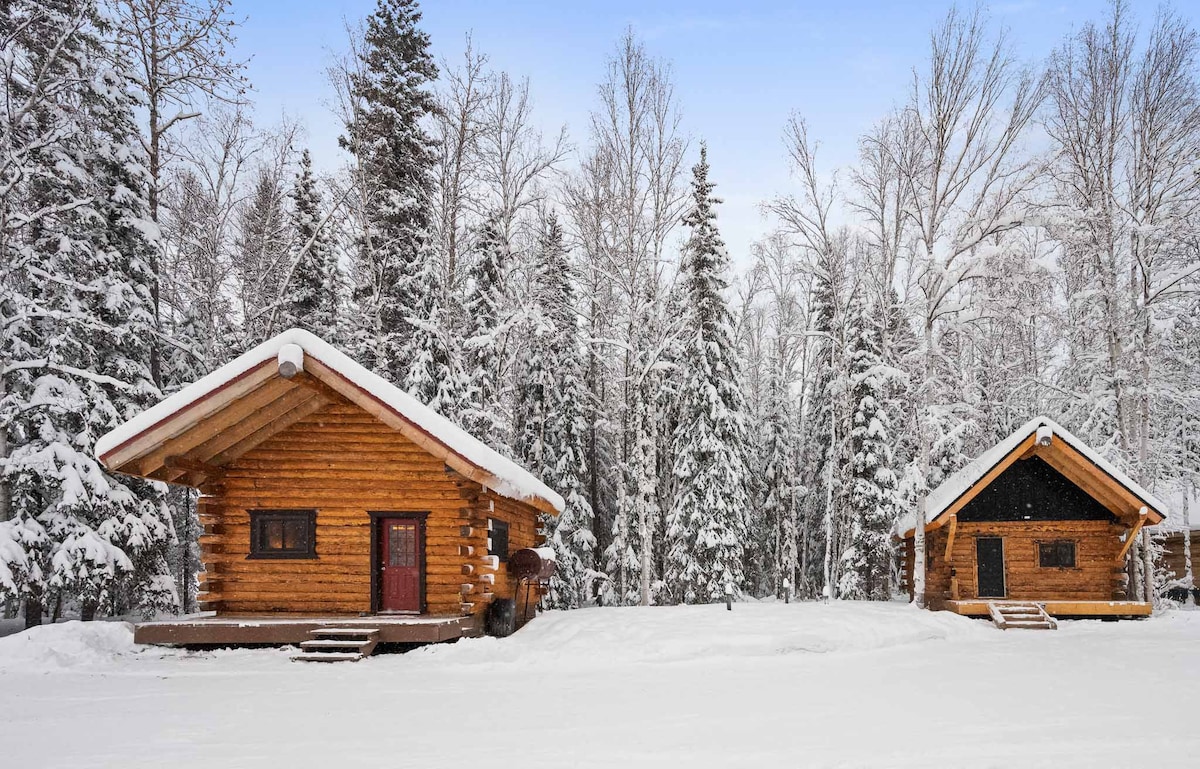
[780,485]
[315,288]
[82,366]
[549,422]
[871,497]
[262,256]
[706,525]
[487,322]
[387,136]
[818,450]
[435,374]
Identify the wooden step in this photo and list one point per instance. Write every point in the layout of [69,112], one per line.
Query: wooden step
[338,644]
[1023,616]
[333,643]
[328,657]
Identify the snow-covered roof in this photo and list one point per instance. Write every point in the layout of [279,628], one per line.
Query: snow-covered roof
[1043,431]
[503,475]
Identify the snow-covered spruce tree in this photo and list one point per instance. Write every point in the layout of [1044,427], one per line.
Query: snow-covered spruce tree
[314,289]
[550,428]
[871,496]
[385,133]
[706,524]
[780,482]
[435,374]
[487,324]
[261,255]
[818,437]
[76,312]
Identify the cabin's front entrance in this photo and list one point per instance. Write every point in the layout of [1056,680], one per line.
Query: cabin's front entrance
[400,563]
[989,560]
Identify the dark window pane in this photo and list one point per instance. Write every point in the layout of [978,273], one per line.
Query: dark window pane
[402,544]
[1060,554]
[274,540]
[295,534]
[282,534]
[498,538]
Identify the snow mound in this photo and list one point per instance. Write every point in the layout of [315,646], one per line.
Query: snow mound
[67,645]
[654,634]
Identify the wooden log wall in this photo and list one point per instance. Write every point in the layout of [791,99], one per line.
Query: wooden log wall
[1096,576]
[1172,557]
[344,463]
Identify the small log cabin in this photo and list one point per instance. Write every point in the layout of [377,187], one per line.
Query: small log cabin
[1180,548]
[1038,518]
[330,498]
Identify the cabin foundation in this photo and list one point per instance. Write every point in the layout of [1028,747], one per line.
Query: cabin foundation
[274,629]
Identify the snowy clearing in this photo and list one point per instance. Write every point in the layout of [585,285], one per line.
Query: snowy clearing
[764,685]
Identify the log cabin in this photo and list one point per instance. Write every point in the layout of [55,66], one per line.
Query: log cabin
[332,503]
[1180,546]
[1039,526]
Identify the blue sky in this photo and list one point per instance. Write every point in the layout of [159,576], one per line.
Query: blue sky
[740,67]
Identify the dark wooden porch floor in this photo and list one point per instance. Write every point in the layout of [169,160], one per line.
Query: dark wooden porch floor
[293,628]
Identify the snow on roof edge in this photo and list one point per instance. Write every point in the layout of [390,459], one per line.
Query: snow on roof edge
[514,481]
[961,482]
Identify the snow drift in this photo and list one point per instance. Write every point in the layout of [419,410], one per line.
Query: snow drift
[67,645]
[645,634]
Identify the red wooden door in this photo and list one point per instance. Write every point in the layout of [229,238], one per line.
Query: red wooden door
[400,565]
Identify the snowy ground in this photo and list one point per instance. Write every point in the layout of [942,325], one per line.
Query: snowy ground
[767,685]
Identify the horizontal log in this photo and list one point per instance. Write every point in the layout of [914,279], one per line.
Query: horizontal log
[315,607]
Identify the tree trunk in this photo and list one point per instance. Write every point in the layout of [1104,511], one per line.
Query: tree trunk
[87,610]
[5,490]
[924,447]
[643,444]
[154,161]
[33,611]
[830,589]
[1188,578]
[1147,568]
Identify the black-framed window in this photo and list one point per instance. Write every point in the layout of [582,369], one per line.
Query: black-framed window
[498,538]
[283,534]
[1059,554]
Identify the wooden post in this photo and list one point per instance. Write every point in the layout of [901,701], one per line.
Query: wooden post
[1132,536]
[950,538]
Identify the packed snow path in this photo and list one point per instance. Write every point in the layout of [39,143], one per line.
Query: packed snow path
[765,685]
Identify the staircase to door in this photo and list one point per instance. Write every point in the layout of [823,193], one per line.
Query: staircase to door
[1027,615]
[338,644]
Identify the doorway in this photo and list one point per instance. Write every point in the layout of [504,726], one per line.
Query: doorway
[989,560]
[400,563]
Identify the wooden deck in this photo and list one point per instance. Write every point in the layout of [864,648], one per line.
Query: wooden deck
[234,630]
[979,608]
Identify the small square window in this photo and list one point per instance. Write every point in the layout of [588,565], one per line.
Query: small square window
[283,534]
[498,539]
[1059,554]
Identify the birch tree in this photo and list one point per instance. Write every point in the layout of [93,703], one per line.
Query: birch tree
[965,175]
[181,55]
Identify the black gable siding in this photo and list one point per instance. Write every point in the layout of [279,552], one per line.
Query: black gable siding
[1032,490]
